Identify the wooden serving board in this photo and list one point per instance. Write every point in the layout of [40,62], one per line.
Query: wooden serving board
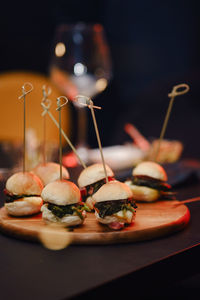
[152,220]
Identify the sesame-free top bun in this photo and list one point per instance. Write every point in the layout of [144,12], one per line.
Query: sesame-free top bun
[24,183]
[151,169]
[50,172]
[61,192]
[93,174]
[113,190]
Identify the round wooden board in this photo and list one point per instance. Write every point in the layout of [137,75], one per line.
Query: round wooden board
[152,220]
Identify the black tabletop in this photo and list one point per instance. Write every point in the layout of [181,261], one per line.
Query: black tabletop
[30,271]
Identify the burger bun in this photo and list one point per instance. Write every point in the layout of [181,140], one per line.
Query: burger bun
[24,183]
[150,169]
[50,172]
[24,206]
[113,190]
[93,174]
[143,193]
[61,192]
[118,217]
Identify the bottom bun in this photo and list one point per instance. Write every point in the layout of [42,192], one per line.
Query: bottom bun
[24,207]
[143,193]
[116,218]
[67,220]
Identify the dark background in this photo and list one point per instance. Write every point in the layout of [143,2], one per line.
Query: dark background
[154,45]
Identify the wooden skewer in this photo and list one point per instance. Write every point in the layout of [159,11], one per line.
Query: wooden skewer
[46,110]
[44,141]
[86,99]
[25,91]
[89,103]
[59,107]
[45,100]
[171,95]
[196,199]
[97,107]
[99,140]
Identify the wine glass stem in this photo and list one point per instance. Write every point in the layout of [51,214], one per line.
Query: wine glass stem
[82,126]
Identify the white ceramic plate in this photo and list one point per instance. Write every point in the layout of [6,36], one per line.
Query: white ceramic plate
[118,157]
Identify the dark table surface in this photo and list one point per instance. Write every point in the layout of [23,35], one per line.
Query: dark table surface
[30,271]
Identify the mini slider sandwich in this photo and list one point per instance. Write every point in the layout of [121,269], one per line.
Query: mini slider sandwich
[114,205]
[62,203]
[50,172]
[23,190]
[90,180]
[149,182]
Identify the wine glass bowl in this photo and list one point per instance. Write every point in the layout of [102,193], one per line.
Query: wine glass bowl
[81,61]
[80,64]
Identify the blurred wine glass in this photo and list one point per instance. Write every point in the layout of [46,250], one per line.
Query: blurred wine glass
[80,64]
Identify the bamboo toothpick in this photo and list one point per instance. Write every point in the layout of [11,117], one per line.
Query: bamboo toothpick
[46,111]
[196,199]
[46,92]
[174,93]
[89,103]
[59,107]
[99,141]
[26,89]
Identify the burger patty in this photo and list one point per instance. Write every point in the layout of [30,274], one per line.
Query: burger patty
[11,198]
[151,182]
[62,210]
[108,208]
